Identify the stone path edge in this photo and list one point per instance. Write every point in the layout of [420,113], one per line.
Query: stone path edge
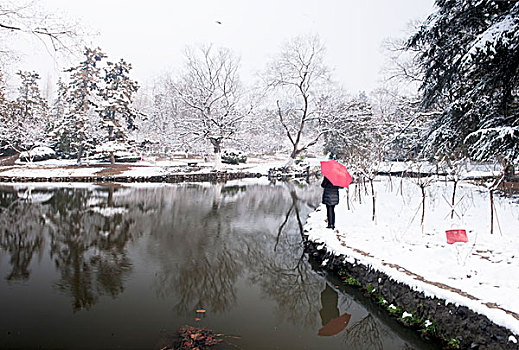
[473,330]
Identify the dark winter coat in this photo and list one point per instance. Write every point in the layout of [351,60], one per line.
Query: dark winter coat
[330,193]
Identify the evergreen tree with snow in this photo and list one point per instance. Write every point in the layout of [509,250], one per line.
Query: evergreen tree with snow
[61,137]
[469,55]
[24,121]
[30,102]
[117,113]
[83,99]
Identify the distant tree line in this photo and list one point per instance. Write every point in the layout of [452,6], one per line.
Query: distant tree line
[450,92]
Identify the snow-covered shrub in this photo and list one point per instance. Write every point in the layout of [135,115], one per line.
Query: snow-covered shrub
[233,157]
[37,154]
[122,156]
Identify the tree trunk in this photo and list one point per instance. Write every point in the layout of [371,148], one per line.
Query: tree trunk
[80,150]
[373,197]
[422,187]
[295,152]
[358,187]
[217,153]
[111,138]
[453,198]
[491,212]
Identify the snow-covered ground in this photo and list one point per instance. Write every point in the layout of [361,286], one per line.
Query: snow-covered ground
[148,167]
[482,274]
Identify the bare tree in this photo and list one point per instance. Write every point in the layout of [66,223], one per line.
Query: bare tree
[25,18]
[293,78]
[212,97]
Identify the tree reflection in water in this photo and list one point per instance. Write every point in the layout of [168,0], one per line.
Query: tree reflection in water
[363,334]
[22,232]
[279,263]
[85,241]
[205,267]
[235,229]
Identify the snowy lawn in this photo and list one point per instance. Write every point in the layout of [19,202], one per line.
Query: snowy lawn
[40,170]
[482,274]
[150,166]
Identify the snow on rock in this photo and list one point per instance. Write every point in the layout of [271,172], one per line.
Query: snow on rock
[397,244]
[406,314]
[37,154]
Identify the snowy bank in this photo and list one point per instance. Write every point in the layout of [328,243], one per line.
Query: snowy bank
[147,170]
[482,275]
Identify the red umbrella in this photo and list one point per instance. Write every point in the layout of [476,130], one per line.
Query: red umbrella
[336,173]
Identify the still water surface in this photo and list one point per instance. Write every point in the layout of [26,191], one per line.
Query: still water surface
[126,267]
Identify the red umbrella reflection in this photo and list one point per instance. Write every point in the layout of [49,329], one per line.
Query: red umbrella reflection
[335,326]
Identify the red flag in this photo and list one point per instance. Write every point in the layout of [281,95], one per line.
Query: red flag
[454,236]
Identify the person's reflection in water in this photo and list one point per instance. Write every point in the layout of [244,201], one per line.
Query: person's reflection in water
[329,301]
[332,322]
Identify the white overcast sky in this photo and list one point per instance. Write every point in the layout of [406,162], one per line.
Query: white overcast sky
[152,34]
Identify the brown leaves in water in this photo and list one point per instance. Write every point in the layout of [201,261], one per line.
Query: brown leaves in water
[335,326]
[197,338]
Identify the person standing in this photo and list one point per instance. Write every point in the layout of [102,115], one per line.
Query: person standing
[330,199]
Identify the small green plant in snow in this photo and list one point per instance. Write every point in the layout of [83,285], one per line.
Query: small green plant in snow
[395,310]
[382,301]
[454,343]
[410,320]
[351,281]
[429,327]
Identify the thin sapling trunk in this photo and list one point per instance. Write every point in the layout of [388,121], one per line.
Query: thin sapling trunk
[373,197]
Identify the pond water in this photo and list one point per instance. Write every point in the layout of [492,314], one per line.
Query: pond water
[125,267]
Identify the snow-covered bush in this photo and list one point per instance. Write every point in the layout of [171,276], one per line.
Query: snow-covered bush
[122,156]
[37,154]
[118,150]
[233,157]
